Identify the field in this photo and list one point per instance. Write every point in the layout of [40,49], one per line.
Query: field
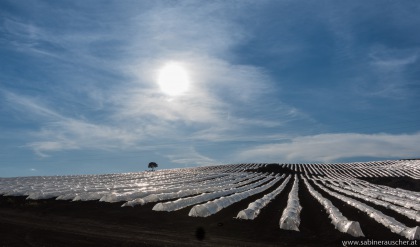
[229,205]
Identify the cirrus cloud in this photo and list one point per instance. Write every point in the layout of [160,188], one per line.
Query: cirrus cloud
[335,147]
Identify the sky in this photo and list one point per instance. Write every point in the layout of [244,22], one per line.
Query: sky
[269,81]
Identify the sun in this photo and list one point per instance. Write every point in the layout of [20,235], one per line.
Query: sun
[173,79]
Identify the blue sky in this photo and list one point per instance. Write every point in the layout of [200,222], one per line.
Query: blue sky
[271,81]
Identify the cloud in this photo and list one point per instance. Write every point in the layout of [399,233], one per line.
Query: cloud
[333,147]
[40,148]
[187,155]
[60,132]
[389,75]
[194,27]
[396,60]
[29,105]
[381,62]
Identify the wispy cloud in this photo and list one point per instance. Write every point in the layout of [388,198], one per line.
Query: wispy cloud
[335,147]
[389,72]
[393,58]
[42,147]
[188,156]
[60,132]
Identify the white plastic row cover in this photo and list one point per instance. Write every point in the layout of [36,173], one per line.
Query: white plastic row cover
[369,197]
[185,202]
[192,190]
[48,187]
[340,222]
[178,191]
[290,219]
[389,222]
[212,207]
[404,202]
[399,192]
[254,208]
[173,185]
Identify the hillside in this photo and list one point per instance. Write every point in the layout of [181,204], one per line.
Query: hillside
[227,205]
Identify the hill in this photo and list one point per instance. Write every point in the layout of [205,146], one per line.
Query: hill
[228,205]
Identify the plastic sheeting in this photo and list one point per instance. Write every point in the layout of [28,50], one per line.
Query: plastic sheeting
[254,208]
[201,180]
[89,196]
[411,195]
[44,195]
[375,193]
[70,187]
[117,197]
[193,190]
[389,222]
[290,219]
[369,197]
[340,222]
[185,202]
[212,207]
[65,197]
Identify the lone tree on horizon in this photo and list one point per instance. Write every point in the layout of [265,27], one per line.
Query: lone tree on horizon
[153,165]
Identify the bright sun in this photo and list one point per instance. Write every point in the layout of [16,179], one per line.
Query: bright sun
[173,79]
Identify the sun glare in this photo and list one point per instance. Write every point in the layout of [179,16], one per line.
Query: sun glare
[173,79]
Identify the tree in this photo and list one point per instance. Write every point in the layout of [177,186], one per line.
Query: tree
[153,165]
